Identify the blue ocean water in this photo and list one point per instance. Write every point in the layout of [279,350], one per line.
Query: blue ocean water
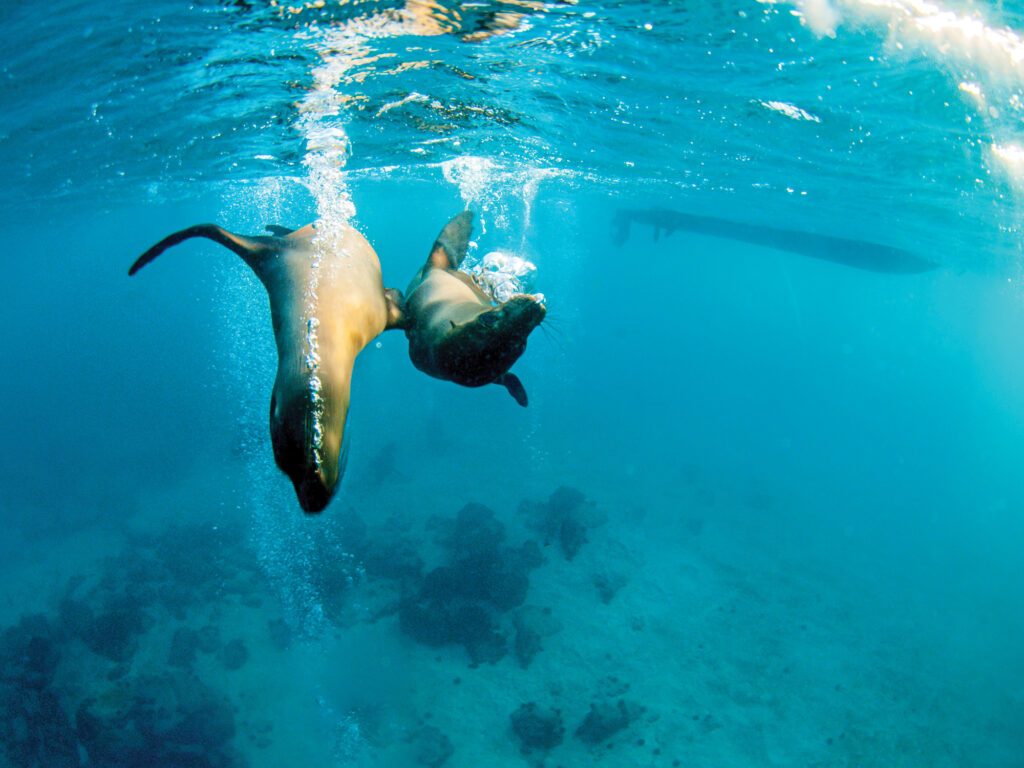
[764,506]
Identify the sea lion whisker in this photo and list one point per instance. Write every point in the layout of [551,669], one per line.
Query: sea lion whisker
[551,333]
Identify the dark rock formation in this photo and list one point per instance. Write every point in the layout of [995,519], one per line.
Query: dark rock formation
[184,645]
[159,722]
[234,654]
[114,632]
[29,653]
[176,598]
[437,622]
[35,731]
[564,518]
[432,747]
[532,624]
[572,535]
[54,716]
[208,638]
[527,644]
[607,585]
[75,617]
[501,584]
[537,728]
[605,720]
[460,602]
[476,533]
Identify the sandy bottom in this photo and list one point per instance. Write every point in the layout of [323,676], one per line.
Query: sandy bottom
[725,641]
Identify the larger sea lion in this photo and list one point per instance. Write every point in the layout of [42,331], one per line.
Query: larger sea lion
[326,304]
[455,331]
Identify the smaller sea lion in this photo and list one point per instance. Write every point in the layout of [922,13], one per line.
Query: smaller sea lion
[455,331]
[325,306]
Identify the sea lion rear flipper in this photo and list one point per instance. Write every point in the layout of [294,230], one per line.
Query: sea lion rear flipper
[278,230]
[450,247]
[254,251]
[515,387]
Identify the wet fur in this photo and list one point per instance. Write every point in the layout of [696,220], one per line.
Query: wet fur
[455,332]
[353,307]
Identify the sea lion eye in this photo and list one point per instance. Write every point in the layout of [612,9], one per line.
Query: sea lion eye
[488,319]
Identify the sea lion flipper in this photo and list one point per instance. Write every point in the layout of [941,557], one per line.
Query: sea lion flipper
[254,251]
[515,388]
[395,302]
[450,247]
[278,231]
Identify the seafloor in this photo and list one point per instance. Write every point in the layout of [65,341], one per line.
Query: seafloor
[560,627]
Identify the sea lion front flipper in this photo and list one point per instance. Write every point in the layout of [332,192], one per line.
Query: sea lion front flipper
[450,247]
[278,230]
[514,386]
[254,251]
[395,302]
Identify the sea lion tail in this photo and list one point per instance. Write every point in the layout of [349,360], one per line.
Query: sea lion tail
[451,245]
[252,250]
[515,388]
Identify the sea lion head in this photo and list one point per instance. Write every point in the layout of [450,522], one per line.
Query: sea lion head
[309,446]
[482,350]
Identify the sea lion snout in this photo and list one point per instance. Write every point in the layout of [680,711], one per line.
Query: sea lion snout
[509,325]
[313,493]
[314,487]
[483,350]
[522,313]
[314,459]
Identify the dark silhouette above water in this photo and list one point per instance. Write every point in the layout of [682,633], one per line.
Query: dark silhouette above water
[853,253]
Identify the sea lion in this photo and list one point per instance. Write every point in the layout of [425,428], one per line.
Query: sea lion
[455,331]
[326,304]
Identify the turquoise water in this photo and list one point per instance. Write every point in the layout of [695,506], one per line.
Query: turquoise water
[790,396]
